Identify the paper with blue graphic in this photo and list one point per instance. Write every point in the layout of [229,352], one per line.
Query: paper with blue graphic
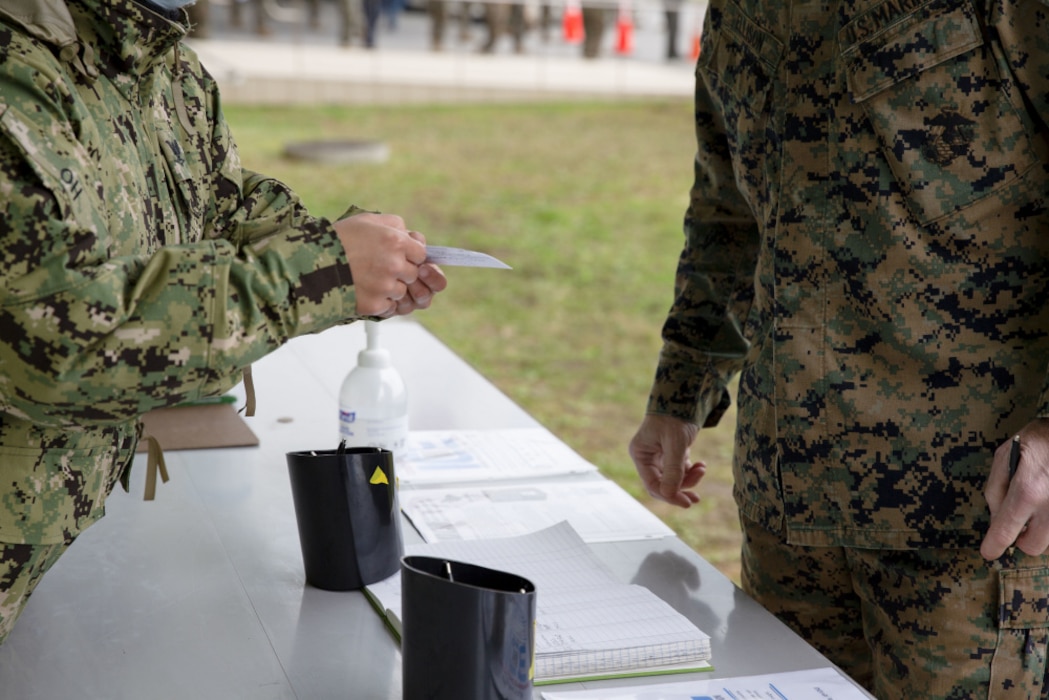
[814,684]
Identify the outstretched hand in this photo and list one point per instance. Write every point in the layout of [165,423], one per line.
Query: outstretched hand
[660,453]
[388,264]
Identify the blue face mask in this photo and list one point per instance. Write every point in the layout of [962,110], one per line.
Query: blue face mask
[172,4]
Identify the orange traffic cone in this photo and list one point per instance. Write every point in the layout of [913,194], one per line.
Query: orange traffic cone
[572,22]
[624,30]
[694,53]
[697,31]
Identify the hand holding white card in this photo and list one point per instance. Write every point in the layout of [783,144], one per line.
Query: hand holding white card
[443,255]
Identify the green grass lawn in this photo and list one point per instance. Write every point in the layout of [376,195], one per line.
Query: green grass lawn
[585,201]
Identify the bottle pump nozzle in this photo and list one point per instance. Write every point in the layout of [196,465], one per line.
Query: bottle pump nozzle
[373,355]
[371,330]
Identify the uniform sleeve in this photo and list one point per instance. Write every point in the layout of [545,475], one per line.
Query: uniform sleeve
[1023,34]
[704,338]
[90,335]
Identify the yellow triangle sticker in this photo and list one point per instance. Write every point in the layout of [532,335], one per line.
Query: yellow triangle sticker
[378,477]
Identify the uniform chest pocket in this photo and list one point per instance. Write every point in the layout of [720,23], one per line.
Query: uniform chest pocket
[937,103]
[737,65]
[190,185]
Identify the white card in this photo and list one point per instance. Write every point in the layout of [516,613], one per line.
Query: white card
[461,257]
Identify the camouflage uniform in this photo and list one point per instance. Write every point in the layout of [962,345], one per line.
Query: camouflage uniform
[142,266]
[867,245]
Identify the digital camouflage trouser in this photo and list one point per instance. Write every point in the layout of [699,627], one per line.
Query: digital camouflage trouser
[21,567]
[53,487]
[929,623]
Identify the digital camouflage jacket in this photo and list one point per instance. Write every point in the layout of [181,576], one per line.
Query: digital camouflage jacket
[867,246]
[142,266]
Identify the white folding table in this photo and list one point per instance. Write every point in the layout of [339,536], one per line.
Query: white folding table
[200,594]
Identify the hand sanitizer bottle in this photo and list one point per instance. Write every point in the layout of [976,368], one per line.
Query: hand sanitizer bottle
[373,403]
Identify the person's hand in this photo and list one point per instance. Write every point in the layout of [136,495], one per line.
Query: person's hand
[387,263]
[660,454]
[1019,507]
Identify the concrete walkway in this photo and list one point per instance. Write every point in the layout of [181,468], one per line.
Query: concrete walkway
[297,64]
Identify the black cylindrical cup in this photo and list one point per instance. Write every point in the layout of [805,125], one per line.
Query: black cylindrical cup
[467,632]
[347,514]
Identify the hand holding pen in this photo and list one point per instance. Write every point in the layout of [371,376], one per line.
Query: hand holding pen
[1017,493]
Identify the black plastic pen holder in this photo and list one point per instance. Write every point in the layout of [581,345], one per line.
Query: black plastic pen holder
[467,632]
[347,514]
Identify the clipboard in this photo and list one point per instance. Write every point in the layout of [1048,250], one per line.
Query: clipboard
[197,426]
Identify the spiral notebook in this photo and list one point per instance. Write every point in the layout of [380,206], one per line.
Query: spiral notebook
[588,624]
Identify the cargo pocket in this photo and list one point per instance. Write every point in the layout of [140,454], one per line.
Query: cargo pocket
[938,105]
[1019,665]
[51,495]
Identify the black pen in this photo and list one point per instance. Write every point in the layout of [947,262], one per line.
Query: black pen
[1014,457]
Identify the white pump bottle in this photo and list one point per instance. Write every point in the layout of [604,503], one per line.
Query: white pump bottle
[373,402]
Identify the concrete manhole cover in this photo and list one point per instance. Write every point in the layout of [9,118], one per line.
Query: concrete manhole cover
[339,151]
